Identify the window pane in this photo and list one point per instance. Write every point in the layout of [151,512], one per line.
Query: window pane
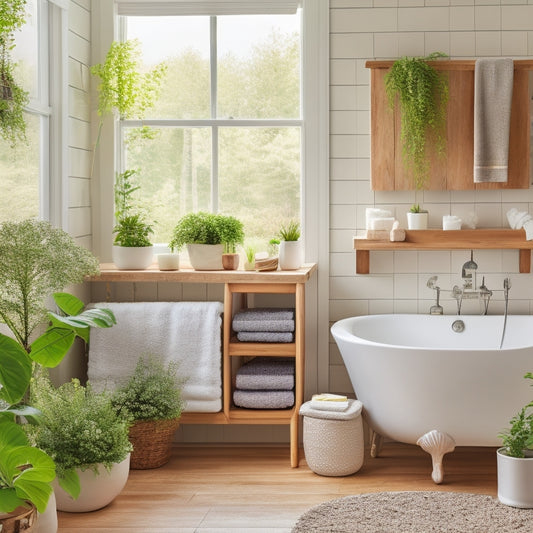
[183,43]
[258,66]
[174,172]
[259,178]
[19,174]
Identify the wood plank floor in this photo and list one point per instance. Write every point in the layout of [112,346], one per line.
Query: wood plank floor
[253,489]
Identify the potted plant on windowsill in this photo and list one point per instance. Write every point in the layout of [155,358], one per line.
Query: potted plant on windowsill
[85,436]
[290,247]
[231,234]
[132,248]
[152,399]
[515,460]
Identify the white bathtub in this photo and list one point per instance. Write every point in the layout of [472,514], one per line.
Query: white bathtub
[414,374]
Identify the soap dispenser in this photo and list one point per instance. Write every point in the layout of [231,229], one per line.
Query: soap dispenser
[469,273]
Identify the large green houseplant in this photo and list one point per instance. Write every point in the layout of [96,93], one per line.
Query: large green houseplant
[422,96]
[13,98]
[152,398]
[35,261]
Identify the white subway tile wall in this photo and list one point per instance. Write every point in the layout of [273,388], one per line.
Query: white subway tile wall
[386,29]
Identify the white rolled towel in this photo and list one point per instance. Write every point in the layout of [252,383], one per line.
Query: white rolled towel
[521,219]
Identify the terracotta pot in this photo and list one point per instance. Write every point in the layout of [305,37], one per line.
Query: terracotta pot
[22,520]
[230,261]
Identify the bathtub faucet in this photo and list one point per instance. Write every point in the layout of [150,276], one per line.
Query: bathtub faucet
[437,308]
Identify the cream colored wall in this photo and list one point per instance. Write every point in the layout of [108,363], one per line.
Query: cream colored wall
[387,29]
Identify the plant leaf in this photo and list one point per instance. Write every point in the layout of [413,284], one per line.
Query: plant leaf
[50,348]
[68,303]
[70,482]
[15,370]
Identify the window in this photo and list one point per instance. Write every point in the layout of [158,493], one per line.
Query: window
[228,124]
[25,168]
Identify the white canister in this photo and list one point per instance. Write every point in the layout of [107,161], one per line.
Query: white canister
[451,222]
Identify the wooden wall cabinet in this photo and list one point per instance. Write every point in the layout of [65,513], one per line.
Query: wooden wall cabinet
[454,171]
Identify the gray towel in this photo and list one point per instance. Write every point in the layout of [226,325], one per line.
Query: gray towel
[265,336]
[264,319]
[263,399]
[493,92]
[266,373]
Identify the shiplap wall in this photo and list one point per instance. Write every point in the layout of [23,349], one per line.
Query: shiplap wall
[387,29]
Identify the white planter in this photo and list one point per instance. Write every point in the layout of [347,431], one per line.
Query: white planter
[205,256]
[417,220]
[47,521]
[133,258]
[97,490]
[290,255]
[515,480]
[170,261]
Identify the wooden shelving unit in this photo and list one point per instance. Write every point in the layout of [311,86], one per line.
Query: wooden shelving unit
[477,239]
[241,282]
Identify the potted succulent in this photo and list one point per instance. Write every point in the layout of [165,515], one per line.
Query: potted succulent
[515,459]
[417,218]
[422,96]
[290,247]
[132,248]
[152,399]
[83,433]
[35,260]
[204,234]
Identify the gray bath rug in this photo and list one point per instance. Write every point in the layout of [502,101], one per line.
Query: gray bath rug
[415,512]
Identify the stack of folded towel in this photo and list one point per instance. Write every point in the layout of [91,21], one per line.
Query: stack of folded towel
[266,324]
[265,383]
[329,402]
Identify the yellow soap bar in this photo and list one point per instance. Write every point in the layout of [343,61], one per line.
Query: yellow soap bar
[327,397]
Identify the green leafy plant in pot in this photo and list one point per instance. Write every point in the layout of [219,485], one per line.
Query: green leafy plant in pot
[515,459]
[36,259]
[132,246]
[232,234]
[152,398]
[290,247]
[87,439]
[422,95]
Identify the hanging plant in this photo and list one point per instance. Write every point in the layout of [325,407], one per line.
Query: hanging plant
[422,94]
[13,98]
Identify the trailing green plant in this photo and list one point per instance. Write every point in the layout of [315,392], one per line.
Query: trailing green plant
[422,94]
[79,427]
[290,231]
[13,98]
[206,228]
[519,437]
[153,392]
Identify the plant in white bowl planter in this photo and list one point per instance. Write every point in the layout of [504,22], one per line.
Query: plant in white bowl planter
[515,460]
[290,247]
[85,436]
[417,218]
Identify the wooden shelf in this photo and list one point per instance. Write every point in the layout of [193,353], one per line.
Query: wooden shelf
[279,349]
[433,239]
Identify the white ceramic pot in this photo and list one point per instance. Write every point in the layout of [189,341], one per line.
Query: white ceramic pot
[290,255]
[205,256]
[170,261]
[515,480]
[417,220]
[133,258]
[97,490]
[47,521]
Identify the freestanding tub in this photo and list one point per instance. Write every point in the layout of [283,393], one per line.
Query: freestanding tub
[423,383]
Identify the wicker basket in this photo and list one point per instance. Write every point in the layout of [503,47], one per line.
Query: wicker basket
[152,442]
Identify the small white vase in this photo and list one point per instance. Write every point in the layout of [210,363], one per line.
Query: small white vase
[205,256]
[290,255]
[132,258]
[515,480]
[97,490]
[47,521]
[417,220]
[170,261]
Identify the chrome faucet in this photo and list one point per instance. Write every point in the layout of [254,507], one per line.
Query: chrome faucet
[436,309]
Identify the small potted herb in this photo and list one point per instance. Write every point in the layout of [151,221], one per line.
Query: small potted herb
[515,459]
[132,248]
[231,234]
[152,398]
[250,251]
[290,247]
[417,218]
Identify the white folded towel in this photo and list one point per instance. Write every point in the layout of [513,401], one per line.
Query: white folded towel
[521,219]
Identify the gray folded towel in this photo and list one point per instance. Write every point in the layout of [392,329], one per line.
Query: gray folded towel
[266,373]
[265,336]
[263,399]
[493,93]
[264,319]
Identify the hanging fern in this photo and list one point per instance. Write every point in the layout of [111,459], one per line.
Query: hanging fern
[422,94]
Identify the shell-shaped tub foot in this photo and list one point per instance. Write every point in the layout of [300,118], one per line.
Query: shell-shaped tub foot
[436,443]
